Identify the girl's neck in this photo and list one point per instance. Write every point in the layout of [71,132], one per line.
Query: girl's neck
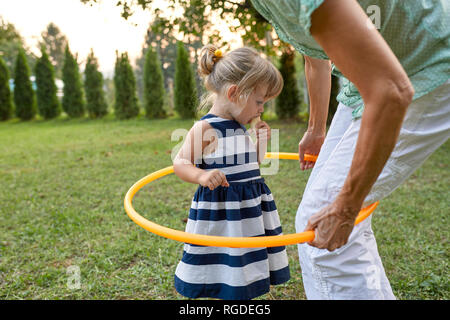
[221,110]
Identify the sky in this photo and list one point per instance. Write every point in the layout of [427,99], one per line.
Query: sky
[99,27]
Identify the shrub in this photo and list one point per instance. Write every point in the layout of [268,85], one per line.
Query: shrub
[24,96]
[288,102]
[185,91]
[47,101]
[93,87]
[73,101]
[153,85]
[126,103]
[6,106]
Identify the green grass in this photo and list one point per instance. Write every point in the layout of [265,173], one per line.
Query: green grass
[62,184]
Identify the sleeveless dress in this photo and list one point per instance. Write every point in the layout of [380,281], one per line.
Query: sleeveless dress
[244,209]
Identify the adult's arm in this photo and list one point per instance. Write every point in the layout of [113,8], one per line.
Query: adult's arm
[318,79]
[341,28]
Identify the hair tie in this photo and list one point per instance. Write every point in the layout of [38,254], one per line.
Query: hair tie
[218,53]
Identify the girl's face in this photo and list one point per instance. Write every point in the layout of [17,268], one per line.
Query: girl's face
[244,113]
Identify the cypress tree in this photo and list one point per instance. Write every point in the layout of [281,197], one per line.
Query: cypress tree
[6,106]
[153,86]
[47,101]
[288,102]
[72,102]
[93,87]
[24,96]
[126,103]
[185,91]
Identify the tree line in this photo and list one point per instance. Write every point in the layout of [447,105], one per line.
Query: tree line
[196,23]
[86,96]
[149,86]
[78,98]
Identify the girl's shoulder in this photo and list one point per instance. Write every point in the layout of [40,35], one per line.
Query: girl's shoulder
[201,125]
[223,125]
[199,137]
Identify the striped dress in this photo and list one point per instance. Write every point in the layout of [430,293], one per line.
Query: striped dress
[244,209]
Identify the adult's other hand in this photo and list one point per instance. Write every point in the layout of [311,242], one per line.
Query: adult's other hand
[310,144]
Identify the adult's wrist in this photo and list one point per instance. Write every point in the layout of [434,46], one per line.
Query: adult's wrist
[317,130]
[350,204]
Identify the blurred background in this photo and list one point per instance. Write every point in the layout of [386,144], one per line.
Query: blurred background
[71,31]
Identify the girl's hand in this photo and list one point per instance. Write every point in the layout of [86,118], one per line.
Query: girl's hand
[262,130]
[212,179]
[311,144]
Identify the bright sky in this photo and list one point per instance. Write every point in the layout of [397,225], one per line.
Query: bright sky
[99,26]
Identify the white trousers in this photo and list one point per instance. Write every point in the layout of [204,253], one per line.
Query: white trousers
[355,271]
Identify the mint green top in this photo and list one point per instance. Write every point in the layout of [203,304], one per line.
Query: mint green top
[417,31]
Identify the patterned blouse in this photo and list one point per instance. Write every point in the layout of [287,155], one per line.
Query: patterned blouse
[417,31]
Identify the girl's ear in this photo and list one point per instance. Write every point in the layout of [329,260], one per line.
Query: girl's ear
[232,93]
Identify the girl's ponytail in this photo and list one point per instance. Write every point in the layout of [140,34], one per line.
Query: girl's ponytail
[208,58]
[243,67]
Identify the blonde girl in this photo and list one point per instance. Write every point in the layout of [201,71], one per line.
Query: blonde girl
[232,198]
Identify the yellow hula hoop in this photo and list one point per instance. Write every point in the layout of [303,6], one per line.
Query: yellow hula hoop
[221,241]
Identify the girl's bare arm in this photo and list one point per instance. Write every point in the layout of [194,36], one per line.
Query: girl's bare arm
[201,139]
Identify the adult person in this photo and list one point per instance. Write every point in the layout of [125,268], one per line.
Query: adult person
[394,112]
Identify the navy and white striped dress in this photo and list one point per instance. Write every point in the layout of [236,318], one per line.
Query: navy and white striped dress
[244,209]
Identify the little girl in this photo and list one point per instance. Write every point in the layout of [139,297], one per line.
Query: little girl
[232,198]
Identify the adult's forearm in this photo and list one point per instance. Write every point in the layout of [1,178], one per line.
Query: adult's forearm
[318,79]
[343,30]
[364,57]
[380,127]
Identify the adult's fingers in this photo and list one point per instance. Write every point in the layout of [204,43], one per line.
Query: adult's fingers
[301,155]
[316,242]
[312,225]
[309,164]
[313,221]
[320,241]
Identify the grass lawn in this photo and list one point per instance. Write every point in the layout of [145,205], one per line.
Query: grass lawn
[62,184]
